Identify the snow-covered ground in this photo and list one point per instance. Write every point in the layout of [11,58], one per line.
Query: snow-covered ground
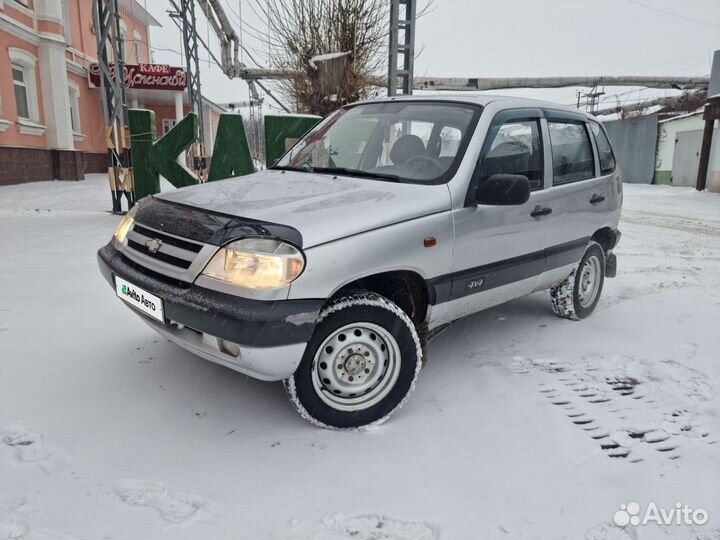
[522,425]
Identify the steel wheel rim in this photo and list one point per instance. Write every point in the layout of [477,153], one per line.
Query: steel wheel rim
[356,366]
[589,281]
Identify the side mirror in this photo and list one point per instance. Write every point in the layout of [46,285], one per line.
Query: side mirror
[504,190]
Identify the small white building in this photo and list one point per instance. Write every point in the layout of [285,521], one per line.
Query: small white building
[678,152]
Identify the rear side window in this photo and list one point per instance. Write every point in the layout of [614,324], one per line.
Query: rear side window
[449,141]
[571,152]
[515,149]
[607,159]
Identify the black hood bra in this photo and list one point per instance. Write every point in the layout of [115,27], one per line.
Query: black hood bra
[206,226]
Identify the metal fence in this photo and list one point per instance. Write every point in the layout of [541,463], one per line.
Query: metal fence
[635,141]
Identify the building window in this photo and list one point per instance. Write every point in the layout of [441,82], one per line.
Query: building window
[74,95]
[168,124]
[137,47]
[124,38]
[66,22]
[24,82]
[21,97]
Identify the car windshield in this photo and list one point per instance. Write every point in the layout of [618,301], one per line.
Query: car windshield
[402,141]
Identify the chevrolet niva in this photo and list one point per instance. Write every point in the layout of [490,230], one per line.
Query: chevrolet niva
[387,221]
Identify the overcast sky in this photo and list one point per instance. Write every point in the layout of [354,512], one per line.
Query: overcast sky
[518,38]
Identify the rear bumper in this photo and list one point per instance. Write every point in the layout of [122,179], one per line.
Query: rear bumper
[271,335]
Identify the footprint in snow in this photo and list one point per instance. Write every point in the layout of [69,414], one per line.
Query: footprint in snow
[371,527]
[705,534]
[15,525]
[30,447]
[173,506]
[610,531]
[12,528]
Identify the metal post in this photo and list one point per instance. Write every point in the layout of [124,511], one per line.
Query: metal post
[179,115]
[401,50]
[192,67]
[112,88]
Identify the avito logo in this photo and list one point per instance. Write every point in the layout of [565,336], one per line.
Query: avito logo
[140,298]
[681,514]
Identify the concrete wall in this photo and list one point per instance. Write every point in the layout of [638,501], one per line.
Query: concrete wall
[634,141]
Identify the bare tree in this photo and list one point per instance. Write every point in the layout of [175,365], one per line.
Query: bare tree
[337,46]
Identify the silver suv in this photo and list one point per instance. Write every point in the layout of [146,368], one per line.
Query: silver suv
[387,221]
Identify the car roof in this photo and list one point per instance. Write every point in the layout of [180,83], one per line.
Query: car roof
[483,100]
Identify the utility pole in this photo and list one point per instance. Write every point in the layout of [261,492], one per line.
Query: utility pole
[192,67]
[111,65]
[401,47]
[711,114]
[593,100]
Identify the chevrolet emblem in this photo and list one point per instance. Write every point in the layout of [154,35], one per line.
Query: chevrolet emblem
[153,246]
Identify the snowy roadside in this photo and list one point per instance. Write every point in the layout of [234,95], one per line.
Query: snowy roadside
[522,425]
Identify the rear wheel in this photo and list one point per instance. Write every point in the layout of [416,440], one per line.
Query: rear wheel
[359,366]
[577,295]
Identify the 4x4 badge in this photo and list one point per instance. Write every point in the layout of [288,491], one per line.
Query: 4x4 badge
[475,283]
[153,246]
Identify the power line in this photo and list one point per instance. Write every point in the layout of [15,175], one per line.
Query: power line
[671,14]
[252,30]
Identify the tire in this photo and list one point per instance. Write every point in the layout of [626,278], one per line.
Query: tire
[360,364]
[577,295]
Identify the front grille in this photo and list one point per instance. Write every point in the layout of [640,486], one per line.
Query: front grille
[159,255]
[158,247]
[173,241]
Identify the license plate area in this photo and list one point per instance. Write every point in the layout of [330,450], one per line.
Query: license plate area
[140,299]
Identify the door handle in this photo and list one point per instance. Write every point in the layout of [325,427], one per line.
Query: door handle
[540,211]
[596,199]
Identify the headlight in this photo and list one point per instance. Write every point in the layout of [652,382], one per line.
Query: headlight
[256,263]
[125,225]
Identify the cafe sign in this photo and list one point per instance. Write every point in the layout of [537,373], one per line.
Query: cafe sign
[144,76]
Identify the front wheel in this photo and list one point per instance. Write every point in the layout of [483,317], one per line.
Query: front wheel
[360,364]
[577,295]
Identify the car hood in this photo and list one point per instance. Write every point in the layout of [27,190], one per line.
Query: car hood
[321,207]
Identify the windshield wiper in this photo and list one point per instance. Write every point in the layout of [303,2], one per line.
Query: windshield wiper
[356,172]
[290,168]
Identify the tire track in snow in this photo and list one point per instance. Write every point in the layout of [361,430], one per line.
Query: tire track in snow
[632,409]
[666,221]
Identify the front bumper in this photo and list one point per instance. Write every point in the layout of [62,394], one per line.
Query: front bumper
[271,335]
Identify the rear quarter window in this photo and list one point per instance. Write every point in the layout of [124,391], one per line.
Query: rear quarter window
[572,154]
[605,153]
